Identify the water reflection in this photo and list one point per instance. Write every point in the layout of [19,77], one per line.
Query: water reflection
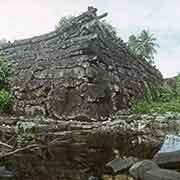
[171,143]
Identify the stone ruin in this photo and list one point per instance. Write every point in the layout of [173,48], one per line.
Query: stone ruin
[76,72]
[72,79]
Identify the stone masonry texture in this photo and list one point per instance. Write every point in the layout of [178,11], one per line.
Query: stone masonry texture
[76,72]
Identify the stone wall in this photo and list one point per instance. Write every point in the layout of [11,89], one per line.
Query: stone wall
[76,72]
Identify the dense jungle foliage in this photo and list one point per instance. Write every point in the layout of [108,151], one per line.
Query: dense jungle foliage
[5,96]
[168,99]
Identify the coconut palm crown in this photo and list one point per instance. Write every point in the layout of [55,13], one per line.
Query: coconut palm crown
[144,44]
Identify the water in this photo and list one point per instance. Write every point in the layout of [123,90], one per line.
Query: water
[86,154]
[171,143]
[81,161]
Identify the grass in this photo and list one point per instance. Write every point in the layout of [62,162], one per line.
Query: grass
[168,100]
[160,107]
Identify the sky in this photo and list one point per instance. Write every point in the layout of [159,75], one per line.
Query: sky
[26,18]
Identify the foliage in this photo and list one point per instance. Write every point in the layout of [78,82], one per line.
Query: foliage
[144,44]
[168,100]
[64,22]
[160,107]
[110,31]
[5,97]
[24,131]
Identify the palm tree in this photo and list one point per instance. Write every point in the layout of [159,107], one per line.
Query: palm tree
[144,45]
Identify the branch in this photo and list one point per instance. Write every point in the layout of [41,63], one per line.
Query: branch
[2,155]
[6,145]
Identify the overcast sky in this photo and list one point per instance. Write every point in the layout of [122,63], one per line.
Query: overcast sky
[25,18]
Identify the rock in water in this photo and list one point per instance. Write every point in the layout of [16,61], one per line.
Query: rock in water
[168,159]
[121,164]
[161,174]
[139,169]
[169,154]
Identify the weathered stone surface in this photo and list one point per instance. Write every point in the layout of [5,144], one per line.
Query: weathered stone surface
[139,169]
[76,72]
[161,174]
[121,164]
[168,159]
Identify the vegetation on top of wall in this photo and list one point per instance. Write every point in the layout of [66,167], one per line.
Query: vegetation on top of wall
[67,21]
[5,96]
[168,100]
[64,22]
[143,44]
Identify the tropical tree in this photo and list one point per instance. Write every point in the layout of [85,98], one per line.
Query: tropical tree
[144,44]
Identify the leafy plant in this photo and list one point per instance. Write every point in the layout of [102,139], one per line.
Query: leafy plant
[110,31]
[5,100]
[168,100]
[64,22]
[24,131]
[144,44]
[5,96]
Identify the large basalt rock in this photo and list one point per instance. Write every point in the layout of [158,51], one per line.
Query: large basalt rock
[169,154]
[139,169]
[76,72]
[168,159]
[119,165]
[161,174]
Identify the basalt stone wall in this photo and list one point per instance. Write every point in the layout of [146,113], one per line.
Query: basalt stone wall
[77,71]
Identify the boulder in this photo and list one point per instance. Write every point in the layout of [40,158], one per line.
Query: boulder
[168,159]
[121,164]
[161,174]
[139,169]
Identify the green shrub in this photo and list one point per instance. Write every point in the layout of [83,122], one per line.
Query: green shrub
[5,96]
[65,22]
[168,100]
[5,100]
[160,107]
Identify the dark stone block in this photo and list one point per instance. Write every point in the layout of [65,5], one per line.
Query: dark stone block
[121,164]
